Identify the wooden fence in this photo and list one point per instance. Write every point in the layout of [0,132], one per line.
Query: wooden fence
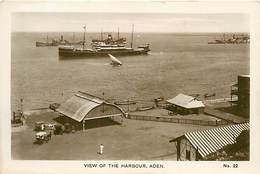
[178,120]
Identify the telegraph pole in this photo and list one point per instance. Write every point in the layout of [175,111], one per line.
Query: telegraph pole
[118,33]
[21,104]
[132,37]
[84,37]
[104,100]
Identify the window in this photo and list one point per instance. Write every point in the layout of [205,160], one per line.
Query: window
[187,155]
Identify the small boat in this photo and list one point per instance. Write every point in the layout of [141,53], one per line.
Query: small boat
[144,108]
[115,61]
[209,95]
[159,99]
[125,102]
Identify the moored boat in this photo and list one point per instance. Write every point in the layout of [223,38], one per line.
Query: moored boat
[242,39]
[71,51]
[55,42]
[102,48]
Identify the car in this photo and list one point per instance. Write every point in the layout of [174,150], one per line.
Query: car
[41,137]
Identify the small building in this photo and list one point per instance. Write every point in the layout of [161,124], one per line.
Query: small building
[83,107]
[185,104]
[194,146]
[242,91]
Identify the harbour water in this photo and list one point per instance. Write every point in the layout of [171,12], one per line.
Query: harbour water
[177,63]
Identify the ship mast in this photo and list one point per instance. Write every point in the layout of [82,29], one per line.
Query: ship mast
[84,37]
[101,34]
[132,38]
[47,38]
[73,38]
[118,33]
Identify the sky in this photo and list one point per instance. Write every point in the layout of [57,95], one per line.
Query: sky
[143,22]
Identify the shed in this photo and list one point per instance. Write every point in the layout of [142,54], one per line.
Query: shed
[241,90]
[185,104]
[83,107]
[197,145]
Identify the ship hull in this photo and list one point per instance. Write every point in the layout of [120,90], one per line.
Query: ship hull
[44,44]
[55,44]
[91,53]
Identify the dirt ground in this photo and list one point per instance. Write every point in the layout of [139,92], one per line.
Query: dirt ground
[133,140]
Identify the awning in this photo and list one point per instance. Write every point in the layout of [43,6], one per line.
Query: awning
[78,106]
[186,101]
[211,140]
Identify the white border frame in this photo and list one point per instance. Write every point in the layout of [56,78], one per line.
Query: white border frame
[27,166]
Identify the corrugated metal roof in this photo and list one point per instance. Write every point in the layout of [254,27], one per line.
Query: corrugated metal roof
[186,101]
[78,106]
[212,140]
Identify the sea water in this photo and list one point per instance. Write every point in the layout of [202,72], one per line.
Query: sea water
[178,63]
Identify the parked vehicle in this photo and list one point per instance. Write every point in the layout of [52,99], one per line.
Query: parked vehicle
[42,137]
[49,126]
[39,126]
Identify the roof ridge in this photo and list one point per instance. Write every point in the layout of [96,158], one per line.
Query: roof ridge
[90,99]
[85,93]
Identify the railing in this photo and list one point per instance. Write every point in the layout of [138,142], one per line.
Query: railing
[178,120]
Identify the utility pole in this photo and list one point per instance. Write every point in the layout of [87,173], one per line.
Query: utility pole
[118,33]
[84,37]
[47,38]
[132,37]
[103,103]
[21,103]
[101,34]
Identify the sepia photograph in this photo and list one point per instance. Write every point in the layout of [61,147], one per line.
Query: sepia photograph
[130,86]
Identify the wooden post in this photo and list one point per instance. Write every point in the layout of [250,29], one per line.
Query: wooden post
[128,105]
[101,34]
[197,154]
[21,100]
[118,33]
[84,36]
[231,96]
[178,150]
[132,37]
[103,103]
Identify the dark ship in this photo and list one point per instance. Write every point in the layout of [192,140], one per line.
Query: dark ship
[55,42]
[243,39]
[103,48]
